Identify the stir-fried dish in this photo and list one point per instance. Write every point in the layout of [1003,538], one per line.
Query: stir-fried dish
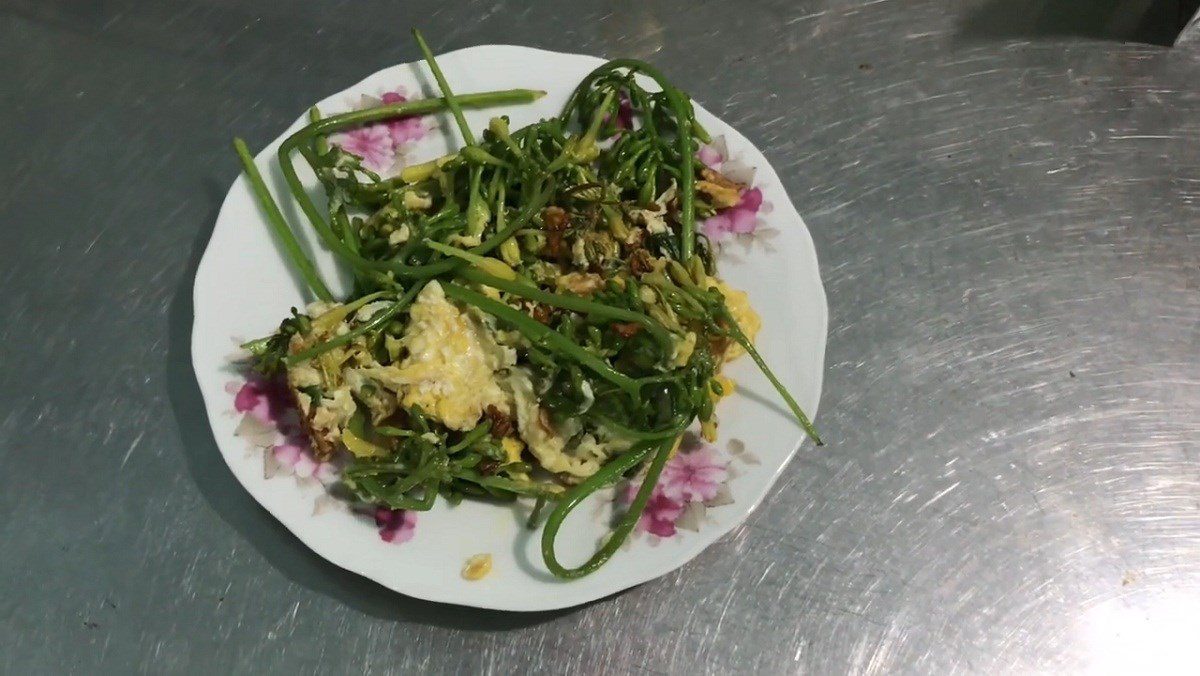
[533,316]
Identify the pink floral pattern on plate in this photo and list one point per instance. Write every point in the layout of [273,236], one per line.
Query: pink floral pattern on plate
[382,145]
[694,480]
[373,143]
[395,525]
[270,423]
[741,221]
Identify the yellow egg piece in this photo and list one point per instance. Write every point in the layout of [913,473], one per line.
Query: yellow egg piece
[450,370]
[512,448]
[747,319]
[477,567]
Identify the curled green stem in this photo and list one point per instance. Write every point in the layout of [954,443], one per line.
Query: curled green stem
[684,120]
[607,474]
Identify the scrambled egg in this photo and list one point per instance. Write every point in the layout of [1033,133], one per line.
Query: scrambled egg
[512,448]
[548,442]
[545,441]
[683,350]
[450,368]
[745,316]
[448,362]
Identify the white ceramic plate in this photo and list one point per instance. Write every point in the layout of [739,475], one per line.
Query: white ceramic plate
[244,288]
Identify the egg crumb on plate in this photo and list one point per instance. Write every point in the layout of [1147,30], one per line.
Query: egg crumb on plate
[477,567]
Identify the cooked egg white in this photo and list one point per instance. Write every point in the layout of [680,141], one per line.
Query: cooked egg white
[548,442]
[450,368]
[544,440]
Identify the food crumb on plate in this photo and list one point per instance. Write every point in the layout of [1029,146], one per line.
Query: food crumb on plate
[477,567]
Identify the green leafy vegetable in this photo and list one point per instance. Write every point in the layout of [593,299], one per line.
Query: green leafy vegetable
[570,242]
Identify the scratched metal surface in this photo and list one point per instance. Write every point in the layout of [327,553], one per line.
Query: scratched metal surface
[1008,231]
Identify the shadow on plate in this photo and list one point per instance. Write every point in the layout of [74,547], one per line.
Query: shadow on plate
[236,508]
[1155,22]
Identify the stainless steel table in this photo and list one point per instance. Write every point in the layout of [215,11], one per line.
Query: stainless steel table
[1007,225]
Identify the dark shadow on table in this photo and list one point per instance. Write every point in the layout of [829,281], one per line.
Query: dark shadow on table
[238,509]
[1155,22]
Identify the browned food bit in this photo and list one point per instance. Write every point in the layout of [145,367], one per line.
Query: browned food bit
[555,222]
[626,329]
[673,210]
[718,344]
[502,423]
[634,241]
[544,422]
[541,313]
[722,192]
[554,218]
[714,176]
[322,447]
[555,249]
[640,262]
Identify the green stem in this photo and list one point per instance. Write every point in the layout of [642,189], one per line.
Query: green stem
[279,224]
[320,146]
[470,438]
[574,303]
[363,264]
[736,332]
[535,513]
[681,108]
[378,492]
[499,127]
[529,488]
[477,210]
[582,149]
[598,117]
[355,118]
[542,335]
[378,321]
[607,474]
[451,101]
[624,432]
